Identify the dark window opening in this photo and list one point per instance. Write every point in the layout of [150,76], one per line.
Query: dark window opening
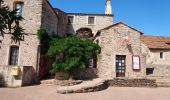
[14,52]
[91,20]
[149,71]
[161,55]
[70,19]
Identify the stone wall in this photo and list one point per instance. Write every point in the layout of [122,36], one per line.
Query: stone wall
[112,43]
[62,24]
[153,56]
[49,18]
[29,48]
[156,67]
[36,13]
[81,21]
[158,71]
[132,83]
[10,80]
[28,51]
[32,11]
[26,76]
[87,73]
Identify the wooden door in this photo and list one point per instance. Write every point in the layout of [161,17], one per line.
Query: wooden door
[120,65]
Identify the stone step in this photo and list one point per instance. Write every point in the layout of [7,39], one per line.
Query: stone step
[86,86]
[47,82]
[163,84]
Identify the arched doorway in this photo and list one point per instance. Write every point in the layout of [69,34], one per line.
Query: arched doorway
[84,33]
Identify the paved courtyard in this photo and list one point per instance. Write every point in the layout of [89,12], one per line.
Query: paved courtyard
[44,92]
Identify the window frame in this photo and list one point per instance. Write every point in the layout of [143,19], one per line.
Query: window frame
[14,7]
[91,23]
[68,19]
[10,56]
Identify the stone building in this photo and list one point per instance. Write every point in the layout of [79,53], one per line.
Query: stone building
[36,13]
[157,51]
[121,52]
[94,22]
[125,51]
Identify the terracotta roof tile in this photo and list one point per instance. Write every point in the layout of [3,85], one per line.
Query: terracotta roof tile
[156,42]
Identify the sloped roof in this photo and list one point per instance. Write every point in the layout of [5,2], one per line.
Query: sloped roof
[108,27]
[156,42]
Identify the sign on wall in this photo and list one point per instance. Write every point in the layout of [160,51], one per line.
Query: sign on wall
[136,62]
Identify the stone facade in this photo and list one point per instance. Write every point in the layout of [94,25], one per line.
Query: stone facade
[153,57]
[133,83]
[112,43]
[152,47]
[49,18]
[36,13]
[62,24]
[81,21]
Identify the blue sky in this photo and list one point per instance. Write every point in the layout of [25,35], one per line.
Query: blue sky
[149,16]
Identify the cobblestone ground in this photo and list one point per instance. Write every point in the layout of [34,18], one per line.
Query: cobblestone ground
[44,92]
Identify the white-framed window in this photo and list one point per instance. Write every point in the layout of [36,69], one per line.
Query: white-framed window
[70,19]
[19,6]
[14,54]
[161,55]
[91,20]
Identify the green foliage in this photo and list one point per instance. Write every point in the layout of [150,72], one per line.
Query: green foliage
[9,23]
[42,34]
[44,38]
[74,53]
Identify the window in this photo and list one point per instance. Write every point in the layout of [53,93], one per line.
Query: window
[91,20]
[70,19]
[161,55]
[14,51]
[91,63]
[19,7]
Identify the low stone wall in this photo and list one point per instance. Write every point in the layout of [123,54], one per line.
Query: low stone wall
[85,87]
[8,79]
[25,77]
[87,73]
[132,83]
[67,82]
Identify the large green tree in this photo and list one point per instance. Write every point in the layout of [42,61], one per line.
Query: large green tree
[73,53]
[10,23]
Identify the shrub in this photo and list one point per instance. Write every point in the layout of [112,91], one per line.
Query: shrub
[73,53]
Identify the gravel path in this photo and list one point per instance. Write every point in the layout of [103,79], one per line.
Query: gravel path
[44,92]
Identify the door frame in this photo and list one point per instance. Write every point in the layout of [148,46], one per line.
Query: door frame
[120,65]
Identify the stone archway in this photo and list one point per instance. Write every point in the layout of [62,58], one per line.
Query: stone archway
[84,33]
